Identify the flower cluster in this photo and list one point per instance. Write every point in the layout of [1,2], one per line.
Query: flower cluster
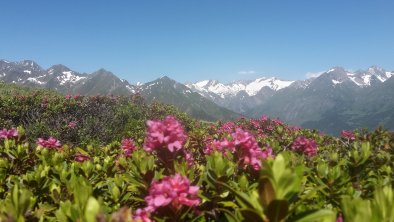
[219,145]
[348,135]
[128,147]
[249,151]
[72,125]
[227,127]
[8,134]
[304,145]
[51,143]
[245,147]
[81,157]
[141,215]
[174,191]
[168,133]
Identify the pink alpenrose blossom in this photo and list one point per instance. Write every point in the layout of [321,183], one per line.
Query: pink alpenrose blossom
[81,157]
[348,135]
[304,145]
[72,125]
[168,134]
[128,147]
[8,134]
[174,191]
[248,149]
[51,143]
[141,215]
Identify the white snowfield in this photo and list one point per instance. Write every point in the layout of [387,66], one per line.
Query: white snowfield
[231,89]
[208,88]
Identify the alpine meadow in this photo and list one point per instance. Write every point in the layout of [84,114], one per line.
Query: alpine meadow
[205,111]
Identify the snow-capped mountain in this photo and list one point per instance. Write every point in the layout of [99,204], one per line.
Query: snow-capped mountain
[63,79]
[251,87]
[362,78]
[241,95]
[337,99]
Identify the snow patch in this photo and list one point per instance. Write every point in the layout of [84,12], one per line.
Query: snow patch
[68,76]
[34,80]
[367,79]
[336,82]
[331,70]
[130,89]
[355,81]
[27,71]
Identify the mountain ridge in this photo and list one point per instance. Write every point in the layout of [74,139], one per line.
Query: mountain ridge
[338,98]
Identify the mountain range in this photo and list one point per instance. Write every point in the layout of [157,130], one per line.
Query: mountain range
[66,81]
[337,99]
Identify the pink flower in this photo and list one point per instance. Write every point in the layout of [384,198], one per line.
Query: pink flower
[339,218]
[81,158]
[168,134]
[219,145]
[189,159]
[174,191]
[277,122]
[248,150]
[255,123]
[227,127]
[348,135]
[264,118]
[51,143]
[72,125]
[8,134]
[243,145]
[128,147]
[141,215]
[67,97]
[304,145]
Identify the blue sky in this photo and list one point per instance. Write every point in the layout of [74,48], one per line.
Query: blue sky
[191,40]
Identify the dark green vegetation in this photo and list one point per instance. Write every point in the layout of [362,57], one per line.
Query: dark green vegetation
[90,177]
[98,119]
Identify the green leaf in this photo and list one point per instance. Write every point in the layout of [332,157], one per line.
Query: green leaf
[277,210]
[251,215]
[266,191]
[317,216]
[92,209]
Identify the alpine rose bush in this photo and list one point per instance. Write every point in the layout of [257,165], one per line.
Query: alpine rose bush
[304,145]
[174,191]
[81,158]
[348,135]
[244,145]
[51,143]
[249,151]
[8,134]
[128,147]
[168,134]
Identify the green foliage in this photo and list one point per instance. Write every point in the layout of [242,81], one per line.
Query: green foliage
[349,177]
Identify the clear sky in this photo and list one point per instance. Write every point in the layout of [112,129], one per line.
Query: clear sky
[191,40]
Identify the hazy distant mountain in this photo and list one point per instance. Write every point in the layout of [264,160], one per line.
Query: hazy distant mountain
[336,100]
[169,91]
[62,79]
